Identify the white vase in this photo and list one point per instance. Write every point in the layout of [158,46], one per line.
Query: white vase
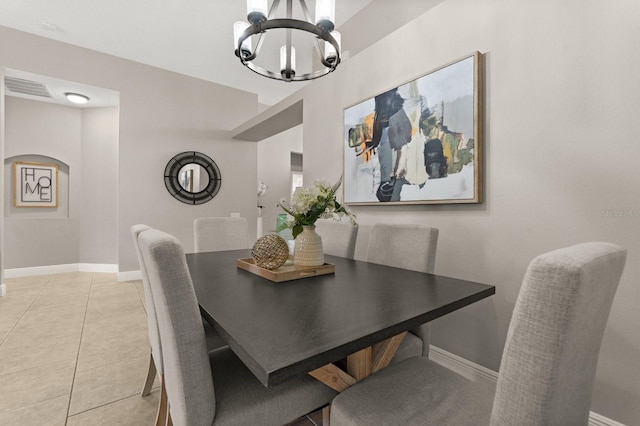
[308,249]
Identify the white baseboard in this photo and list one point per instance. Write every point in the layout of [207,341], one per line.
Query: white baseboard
[478,373]
[97,267]
[129,276]
[59,269]
[71,267]
[464,367]
[3,290]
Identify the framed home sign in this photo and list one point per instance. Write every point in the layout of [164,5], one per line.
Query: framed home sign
[418,143]
[36,184]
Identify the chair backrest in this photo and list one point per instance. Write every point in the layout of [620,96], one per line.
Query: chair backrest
[220,233]
[403,246]
[408,247]
[152,321]
[551,352]
[338,238]
[187,372]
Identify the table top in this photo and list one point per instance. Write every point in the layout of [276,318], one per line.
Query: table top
[281,330]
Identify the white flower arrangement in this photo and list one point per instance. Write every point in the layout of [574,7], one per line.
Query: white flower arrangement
[309,204]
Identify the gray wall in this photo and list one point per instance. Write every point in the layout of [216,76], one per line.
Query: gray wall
[161,114]
[2,284]
[562,94]
[46,133]
[84,142]
[274,169]
[98,213]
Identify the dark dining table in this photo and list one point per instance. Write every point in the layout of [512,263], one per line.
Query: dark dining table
[305,326]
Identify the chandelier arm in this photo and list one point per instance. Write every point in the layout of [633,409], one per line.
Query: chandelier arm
[276,76]
[295,24]
[258,47]
[305,11]
[274,7]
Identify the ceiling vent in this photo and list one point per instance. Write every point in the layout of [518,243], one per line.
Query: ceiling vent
[26,87]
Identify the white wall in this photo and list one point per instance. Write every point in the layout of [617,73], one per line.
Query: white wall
[274,169]
[43,132]
[161,114]
[98,213]
[562,97]
[84,142]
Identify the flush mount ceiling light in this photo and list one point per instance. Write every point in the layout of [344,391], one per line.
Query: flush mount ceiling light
[254,32]
[77,98]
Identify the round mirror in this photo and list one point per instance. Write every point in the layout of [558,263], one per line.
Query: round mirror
[192,177]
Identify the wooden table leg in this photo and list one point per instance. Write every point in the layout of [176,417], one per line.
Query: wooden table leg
[333,377]
[360,364]
[384,351]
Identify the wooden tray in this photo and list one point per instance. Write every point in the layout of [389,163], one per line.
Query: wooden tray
[286,272]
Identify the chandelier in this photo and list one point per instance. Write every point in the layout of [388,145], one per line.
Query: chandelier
[246,35]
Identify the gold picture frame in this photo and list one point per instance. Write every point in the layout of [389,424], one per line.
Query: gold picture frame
[418,143]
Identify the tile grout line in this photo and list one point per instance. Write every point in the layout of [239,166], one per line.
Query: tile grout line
[121,359]
[25,311]
[75,367]
[32,404]
[104,405]
[89,283]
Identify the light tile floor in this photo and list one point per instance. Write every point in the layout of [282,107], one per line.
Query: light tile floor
[74,350]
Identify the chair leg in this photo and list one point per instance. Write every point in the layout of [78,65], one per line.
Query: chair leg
[163,418]
[151,376]
[326,413]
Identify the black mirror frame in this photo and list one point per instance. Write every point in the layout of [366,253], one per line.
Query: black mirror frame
[172,182]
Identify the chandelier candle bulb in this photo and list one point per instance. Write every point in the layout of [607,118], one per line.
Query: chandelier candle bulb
[330,53]
[238,28]
[326,14]
[256,11]
[284,70]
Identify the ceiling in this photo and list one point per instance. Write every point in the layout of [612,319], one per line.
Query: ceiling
[99,97]
[191,37]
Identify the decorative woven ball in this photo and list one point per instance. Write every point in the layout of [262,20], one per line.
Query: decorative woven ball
[270,252]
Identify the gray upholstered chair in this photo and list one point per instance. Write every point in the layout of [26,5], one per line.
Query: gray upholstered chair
[408,247]
[338,238]
[213,339]
[155,358]
[548,364]
[191,373]
[220,233]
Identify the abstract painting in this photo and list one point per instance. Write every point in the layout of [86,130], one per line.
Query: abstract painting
[418,143]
